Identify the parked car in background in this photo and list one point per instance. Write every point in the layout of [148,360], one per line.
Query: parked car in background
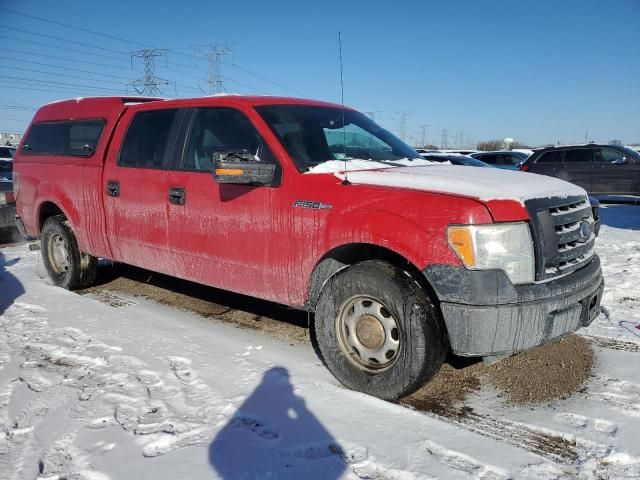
[7,205]
[599,169]
[454,159]
[507,159]
[6,162]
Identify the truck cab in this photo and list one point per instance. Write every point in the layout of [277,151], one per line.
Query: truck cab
[313,205]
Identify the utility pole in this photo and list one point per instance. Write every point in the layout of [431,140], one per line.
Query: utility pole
[214,55]
[149,84]
[425,133]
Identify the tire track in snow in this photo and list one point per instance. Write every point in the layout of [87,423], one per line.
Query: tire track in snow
[613,344]
[572,455]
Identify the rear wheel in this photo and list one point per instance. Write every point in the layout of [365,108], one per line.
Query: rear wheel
[377,330]
[67,266]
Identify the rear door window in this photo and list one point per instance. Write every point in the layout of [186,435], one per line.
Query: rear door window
[78,138]
[147,141]
[490,158]
[553,156]
[578,155]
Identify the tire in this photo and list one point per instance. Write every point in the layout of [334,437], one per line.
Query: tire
[67,266]
[375,291]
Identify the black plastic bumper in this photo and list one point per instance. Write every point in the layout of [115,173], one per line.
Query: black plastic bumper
[486,315]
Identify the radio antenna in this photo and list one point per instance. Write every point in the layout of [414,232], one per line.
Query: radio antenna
[344,132]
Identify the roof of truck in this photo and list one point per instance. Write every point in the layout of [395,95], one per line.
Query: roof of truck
[92,107]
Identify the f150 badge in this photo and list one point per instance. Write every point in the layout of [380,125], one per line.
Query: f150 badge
[312,204]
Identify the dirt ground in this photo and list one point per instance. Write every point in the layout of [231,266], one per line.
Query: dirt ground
[542,375]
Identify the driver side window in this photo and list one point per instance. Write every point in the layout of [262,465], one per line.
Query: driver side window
[218,129]
[608,155]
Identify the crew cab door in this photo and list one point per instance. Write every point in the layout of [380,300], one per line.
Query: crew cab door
[229,236]
[136,187]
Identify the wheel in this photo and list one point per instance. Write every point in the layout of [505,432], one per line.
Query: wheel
[66,264]
[377,331]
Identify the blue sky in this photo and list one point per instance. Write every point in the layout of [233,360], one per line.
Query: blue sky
[539,71]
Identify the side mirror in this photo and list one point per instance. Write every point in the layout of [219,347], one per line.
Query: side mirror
[241,167]
[620,161]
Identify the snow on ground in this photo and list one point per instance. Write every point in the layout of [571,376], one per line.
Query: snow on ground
[143,391]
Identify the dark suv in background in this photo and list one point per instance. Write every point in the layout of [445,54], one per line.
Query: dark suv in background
[507,159]
[599,169]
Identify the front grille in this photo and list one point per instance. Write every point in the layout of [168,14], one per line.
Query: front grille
[559,226]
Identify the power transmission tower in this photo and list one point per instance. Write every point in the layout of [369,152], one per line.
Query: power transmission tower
[403,125]
[445,135]
[149,84]
[425,133]
[214,55]
[372,115]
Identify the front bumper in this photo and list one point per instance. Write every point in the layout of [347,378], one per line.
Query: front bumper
[486,315]
[8,215]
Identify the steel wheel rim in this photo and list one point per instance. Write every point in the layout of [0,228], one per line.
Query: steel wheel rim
[368,334]
[59,254]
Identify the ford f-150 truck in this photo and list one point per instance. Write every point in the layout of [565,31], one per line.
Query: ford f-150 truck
[313,205]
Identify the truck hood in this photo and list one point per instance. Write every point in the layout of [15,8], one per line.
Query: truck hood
[484,184]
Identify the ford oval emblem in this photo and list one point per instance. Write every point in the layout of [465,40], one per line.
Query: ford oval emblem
[585,231]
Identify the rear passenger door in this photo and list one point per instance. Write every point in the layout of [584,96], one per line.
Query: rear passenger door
[614,173]
[577,167]
[137,188]
[548,163]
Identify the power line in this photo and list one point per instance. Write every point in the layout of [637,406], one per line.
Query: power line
[65,84]
[63,68]
[18,107]
[239,67]
[48,90]
[257,75]
[60,48]
[73,27]
[111,82]
[60,39]
[66,59]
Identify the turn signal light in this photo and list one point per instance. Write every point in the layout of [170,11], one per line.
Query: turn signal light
[229,171]
[461,241]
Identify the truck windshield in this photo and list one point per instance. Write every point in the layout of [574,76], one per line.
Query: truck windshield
[312,135]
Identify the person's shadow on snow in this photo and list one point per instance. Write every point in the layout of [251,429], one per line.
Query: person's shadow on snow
[274,435]
[10,286]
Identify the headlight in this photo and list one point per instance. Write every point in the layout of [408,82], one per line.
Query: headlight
[503,246]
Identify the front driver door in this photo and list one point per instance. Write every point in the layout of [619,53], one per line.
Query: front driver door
[614,173]
[229,236]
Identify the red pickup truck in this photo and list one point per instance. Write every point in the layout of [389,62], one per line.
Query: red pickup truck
[313,205]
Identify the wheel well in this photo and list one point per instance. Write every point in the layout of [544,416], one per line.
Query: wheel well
[340,257]
[47,209]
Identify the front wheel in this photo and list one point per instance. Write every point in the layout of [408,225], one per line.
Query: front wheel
[377,330]
[67,266]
